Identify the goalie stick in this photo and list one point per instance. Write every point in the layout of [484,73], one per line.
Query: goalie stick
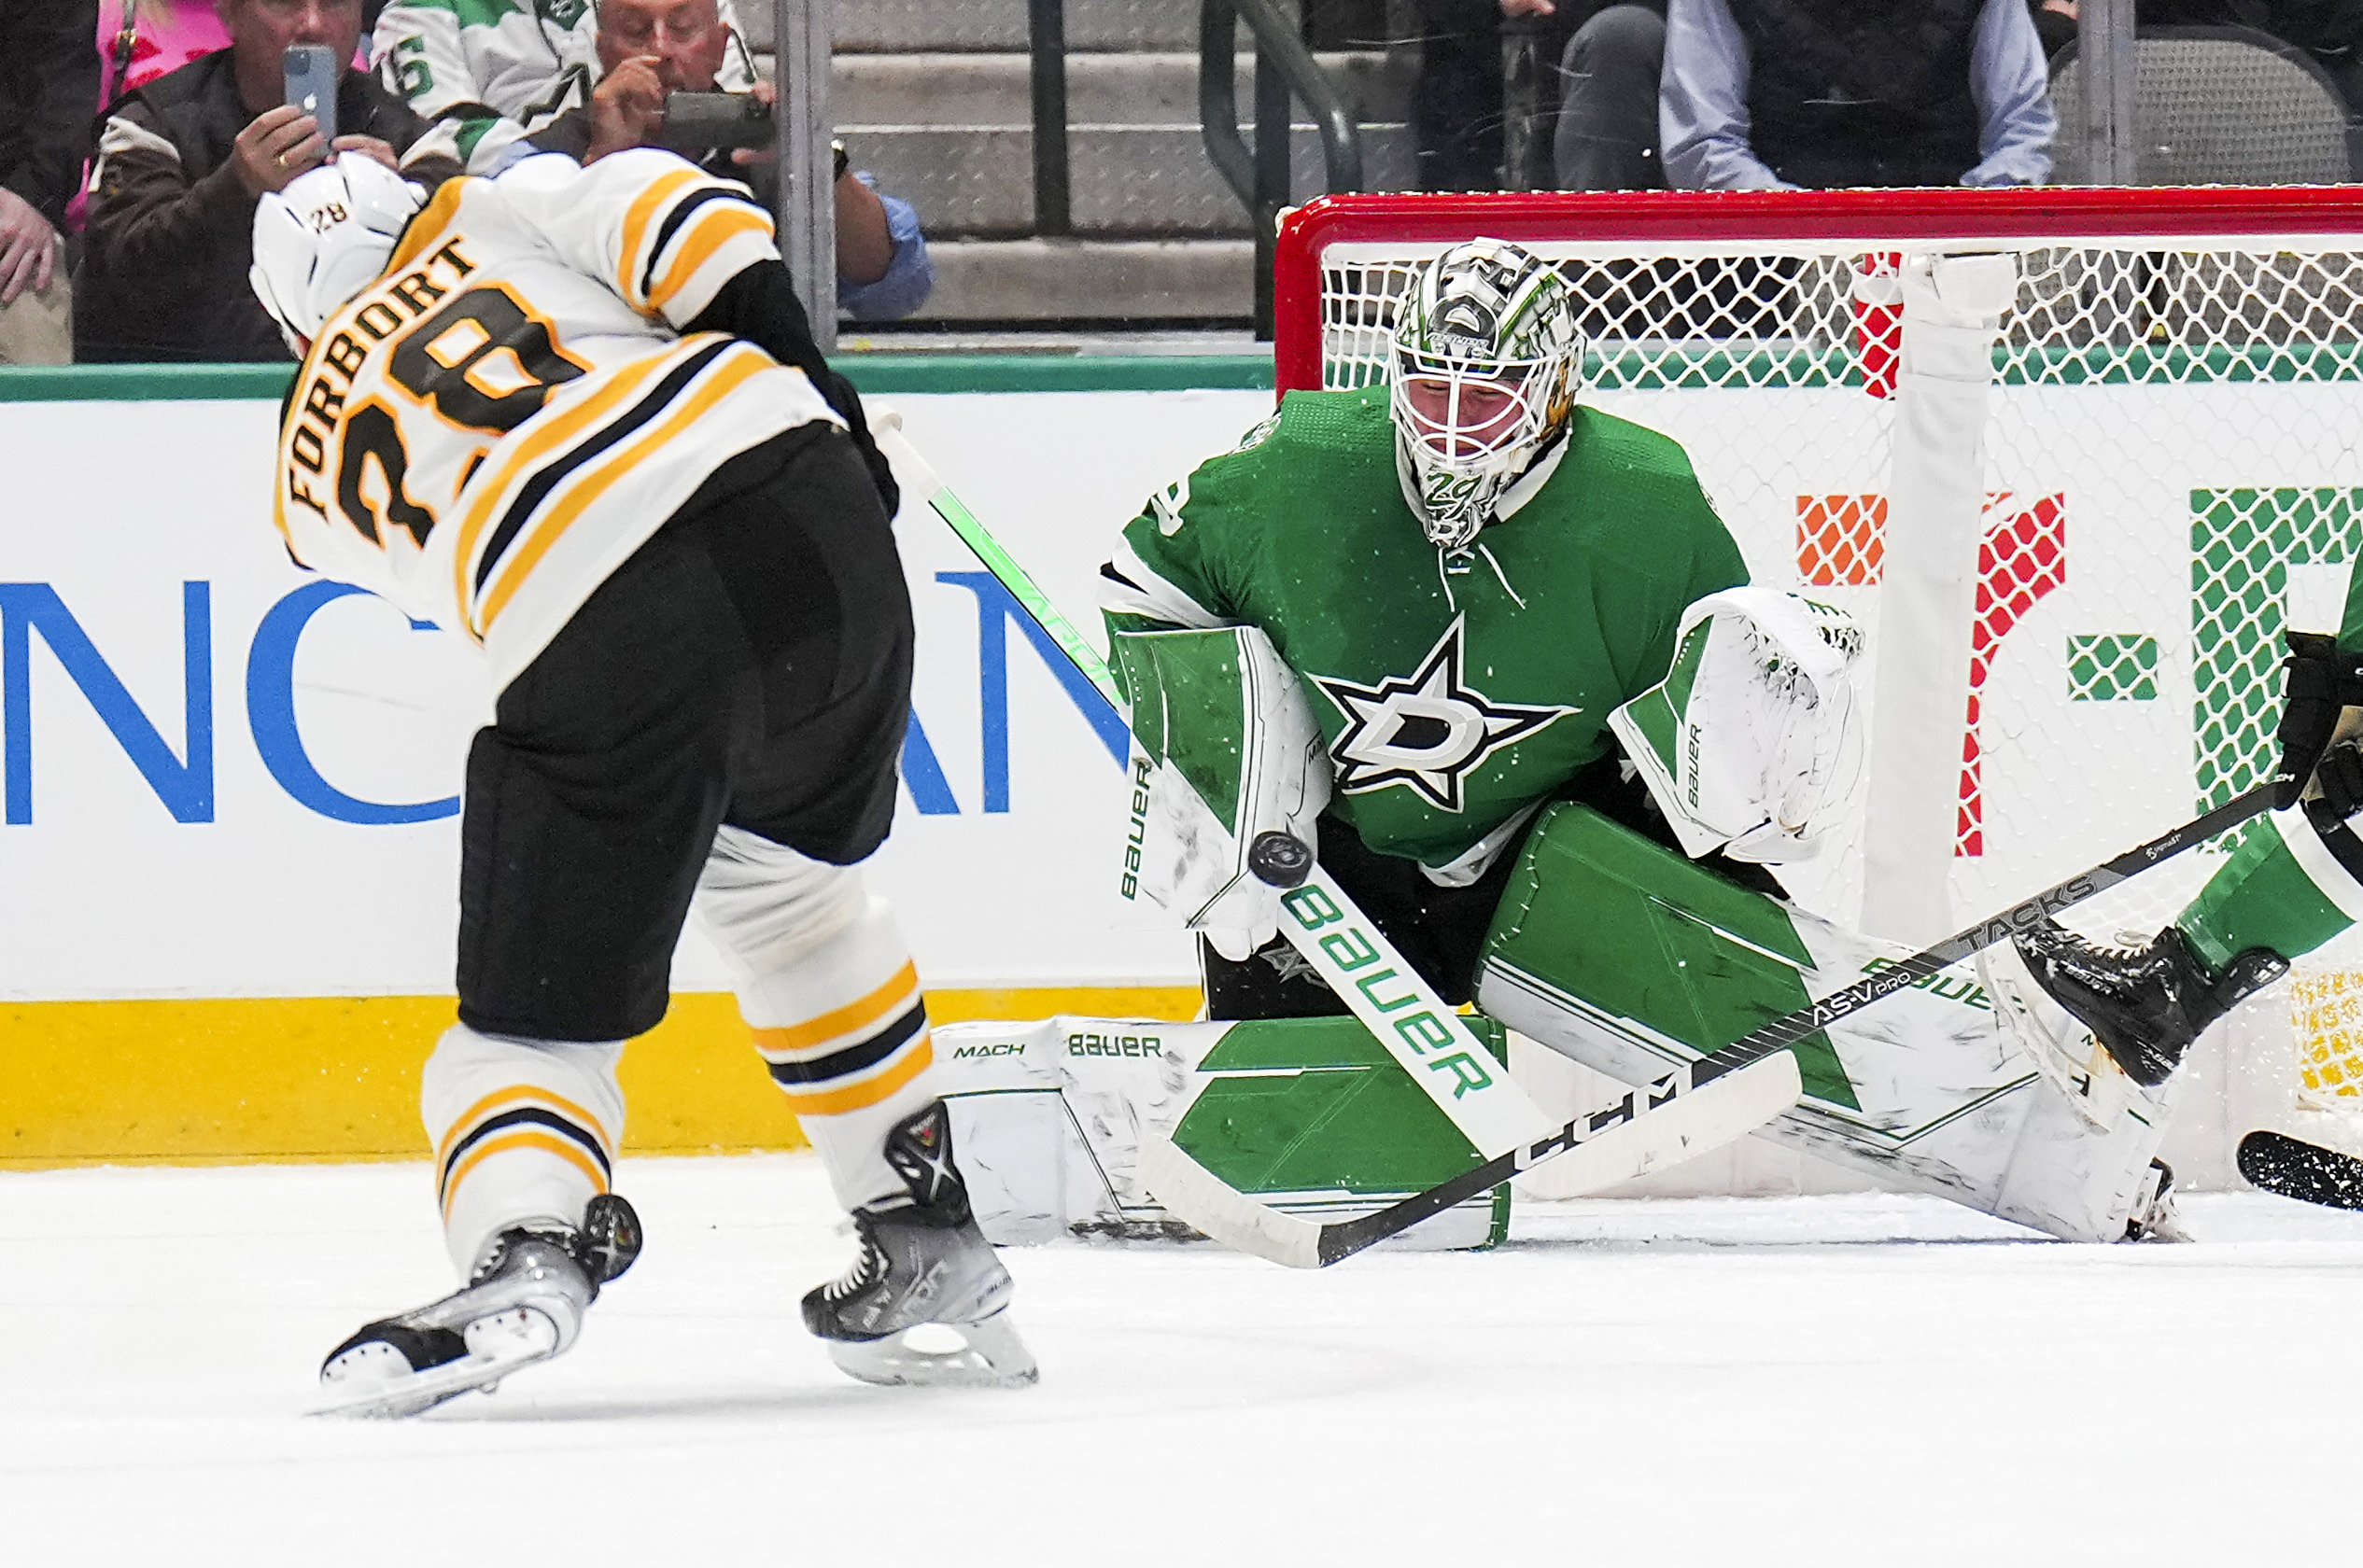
[1238,1220]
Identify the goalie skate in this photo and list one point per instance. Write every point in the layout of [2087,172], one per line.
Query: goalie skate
[926,1301]
[524,1304]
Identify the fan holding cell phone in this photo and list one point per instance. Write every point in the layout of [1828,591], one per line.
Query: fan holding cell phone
[184,157]
[301,131]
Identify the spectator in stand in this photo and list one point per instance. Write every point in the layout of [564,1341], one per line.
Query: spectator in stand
[645,49]
[489,73]
[2331,30]
[2055,23]
[1784,94]
[1617,96]
[139,40]
[49,80]
[181,164]
[1607,137]
[142,39]
[1456,100]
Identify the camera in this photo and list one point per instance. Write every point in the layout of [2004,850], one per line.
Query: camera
[698,122]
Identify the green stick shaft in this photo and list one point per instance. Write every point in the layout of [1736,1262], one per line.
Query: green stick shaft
[1027,591]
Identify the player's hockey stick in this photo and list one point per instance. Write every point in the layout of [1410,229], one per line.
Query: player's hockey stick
[1251,1226]
[2306,1171]
[1345,948]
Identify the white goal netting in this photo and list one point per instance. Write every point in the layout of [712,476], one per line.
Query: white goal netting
[2174,475]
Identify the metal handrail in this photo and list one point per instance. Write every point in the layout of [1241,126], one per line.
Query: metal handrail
[1276,41]
[1284,66]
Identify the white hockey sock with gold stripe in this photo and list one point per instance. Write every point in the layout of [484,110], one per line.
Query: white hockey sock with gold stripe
[525,1132]
[827,984]
[845,1036]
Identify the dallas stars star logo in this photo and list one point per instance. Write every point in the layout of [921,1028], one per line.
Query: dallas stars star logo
[1428,733]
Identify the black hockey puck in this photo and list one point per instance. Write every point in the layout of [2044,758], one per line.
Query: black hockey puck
[1283,859]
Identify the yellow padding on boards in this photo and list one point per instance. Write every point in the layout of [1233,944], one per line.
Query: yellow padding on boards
[231,1081]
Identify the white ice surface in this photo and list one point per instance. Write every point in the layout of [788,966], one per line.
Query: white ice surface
[1797,1380]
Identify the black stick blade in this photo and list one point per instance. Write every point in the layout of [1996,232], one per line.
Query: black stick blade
[2305,1172]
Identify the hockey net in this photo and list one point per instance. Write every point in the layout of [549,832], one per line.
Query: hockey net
[2174,474]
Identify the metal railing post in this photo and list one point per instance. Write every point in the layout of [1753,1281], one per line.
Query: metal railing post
[1284,68]
[1054,206]
[2104,53]
[1273,130]
[807,196]
[1527,76]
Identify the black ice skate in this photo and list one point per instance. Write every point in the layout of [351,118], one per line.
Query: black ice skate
[2144,1005]
[525,1303]
[927,1301]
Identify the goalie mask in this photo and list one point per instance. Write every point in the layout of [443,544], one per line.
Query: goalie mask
[325,238]
[1480,378]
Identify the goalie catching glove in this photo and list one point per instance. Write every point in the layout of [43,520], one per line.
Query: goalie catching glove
[1753,744]
[1225,749]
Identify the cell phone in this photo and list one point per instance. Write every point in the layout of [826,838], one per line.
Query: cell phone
[701,122]
[312,77]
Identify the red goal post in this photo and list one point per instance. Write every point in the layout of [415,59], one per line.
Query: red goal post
[2172,452]
[1668,222]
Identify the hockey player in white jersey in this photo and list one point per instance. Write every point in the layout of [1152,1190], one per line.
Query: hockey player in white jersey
[576,417]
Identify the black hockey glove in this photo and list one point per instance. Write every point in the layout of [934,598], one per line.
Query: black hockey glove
[2340,776]
[759,305]
[2321,682]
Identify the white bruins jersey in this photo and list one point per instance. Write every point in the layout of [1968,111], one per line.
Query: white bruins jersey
[510,410]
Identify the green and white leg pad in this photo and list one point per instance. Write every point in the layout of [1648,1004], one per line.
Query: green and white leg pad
[1311,1116]
[1628,957]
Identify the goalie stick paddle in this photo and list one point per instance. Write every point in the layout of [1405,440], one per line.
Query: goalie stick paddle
[1624,1128]
[1341,944]
[2308,1172]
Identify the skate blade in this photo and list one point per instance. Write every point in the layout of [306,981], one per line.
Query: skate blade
[373,1382]
[990,1355]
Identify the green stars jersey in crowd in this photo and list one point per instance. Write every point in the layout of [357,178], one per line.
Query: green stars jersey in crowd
[1453,691]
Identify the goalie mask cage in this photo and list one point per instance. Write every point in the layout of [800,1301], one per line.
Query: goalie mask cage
[2174,473]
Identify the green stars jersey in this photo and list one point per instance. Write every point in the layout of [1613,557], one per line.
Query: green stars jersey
[1455,692]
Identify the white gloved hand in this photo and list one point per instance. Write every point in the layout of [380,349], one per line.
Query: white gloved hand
[1246,915]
